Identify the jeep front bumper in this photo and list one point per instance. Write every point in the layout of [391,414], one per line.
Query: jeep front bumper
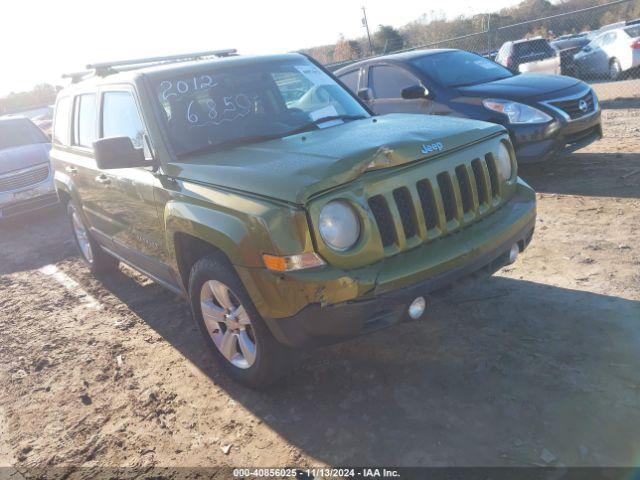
[326,305]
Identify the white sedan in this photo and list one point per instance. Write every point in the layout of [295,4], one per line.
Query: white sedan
[610,54]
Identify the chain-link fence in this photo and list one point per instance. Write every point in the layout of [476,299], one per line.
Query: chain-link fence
[577,43]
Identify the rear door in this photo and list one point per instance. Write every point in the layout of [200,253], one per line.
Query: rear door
[600,55]
[72,152]
[590,60]
[617,44]
[125,196]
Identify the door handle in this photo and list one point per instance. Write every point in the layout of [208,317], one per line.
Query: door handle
[103,179]
[71,169]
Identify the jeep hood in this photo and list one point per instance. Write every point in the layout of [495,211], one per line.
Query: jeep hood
[298,167]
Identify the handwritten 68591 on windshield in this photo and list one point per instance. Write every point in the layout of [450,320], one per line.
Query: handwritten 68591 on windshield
[201,108]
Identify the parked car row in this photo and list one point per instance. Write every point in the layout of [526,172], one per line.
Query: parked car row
[546,115]
[611,53]
[26,178]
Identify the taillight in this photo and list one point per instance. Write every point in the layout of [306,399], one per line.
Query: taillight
[636,44]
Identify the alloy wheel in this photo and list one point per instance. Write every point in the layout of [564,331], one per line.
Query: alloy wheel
[614,70]
[82,235]
[228,324]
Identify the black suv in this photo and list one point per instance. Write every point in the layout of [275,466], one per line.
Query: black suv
[545,114]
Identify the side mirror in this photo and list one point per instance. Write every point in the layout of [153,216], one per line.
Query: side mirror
[365,94]
[118,152]
[414,92]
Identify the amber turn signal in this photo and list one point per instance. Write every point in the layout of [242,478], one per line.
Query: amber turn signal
[292,262]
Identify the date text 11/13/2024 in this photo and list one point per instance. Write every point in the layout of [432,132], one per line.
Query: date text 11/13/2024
[316,473]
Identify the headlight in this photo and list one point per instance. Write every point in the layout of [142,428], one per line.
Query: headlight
[516,112]
[339,225]
[504,163]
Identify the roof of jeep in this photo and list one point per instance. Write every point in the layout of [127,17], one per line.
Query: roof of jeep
[159,70]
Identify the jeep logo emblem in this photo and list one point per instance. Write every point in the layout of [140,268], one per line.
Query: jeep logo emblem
[583,106]
[432,147]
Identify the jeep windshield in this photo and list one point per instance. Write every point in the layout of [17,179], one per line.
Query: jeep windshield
[235,105]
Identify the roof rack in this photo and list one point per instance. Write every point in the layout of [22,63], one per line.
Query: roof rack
[79,76]
[106,68]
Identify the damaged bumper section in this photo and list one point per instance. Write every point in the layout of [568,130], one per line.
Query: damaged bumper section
[327,305]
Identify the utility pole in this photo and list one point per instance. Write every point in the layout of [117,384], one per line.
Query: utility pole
[489,33]
[365,24]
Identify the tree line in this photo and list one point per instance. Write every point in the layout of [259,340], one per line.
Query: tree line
[39,96]
[430,29]
[433,29]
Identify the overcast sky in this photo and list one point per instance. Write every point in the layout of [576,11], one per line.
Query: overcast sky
[40,40]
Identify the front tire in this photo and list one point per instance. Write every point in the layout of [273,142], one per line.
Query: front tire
[91,253]
[237,335]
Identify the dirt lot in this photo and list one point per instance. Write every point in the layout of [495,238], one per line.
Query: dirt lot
[537,365]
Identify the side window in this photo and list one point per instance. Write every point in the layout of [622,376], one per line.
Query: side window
[120,118]
[62,121]
[350,79]
[388,82]
[609,38]
[85,121]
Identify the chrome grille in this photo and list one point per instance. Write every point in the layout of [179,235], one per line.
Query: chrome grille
[438,206]
[23,178]
[572,107]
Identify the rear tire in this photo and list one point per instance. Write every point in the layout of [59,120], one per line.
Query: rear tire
[91,253]
[238,337]
[615,70]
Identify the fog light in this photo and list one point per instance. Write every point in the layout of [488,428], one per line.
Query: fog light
[513,253]
[416,309]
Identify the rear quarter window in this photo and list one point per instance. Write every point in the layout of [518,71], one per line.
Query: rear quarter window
[85,120]
[62,121]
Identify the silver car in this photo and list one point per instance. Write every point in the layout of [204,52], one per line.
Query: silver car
[26,178]
[533,55]
[610,54]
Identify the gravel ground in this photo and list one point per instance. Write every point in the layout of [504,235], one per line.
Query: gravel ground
[535,366]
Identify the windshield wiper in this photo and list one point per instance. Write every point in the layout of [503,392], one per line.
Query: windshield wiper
[315,123]
[232,142]
[236,142]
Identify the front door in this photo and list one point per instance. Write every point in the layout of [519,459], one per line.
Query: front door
[386,83]
[126,196]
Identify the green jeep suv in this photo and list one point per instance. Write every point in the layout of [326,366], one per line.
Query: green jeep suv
[264,192]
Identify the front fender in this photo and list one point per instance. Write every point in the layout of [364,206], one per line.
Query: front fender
[65,186]
[220,229]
